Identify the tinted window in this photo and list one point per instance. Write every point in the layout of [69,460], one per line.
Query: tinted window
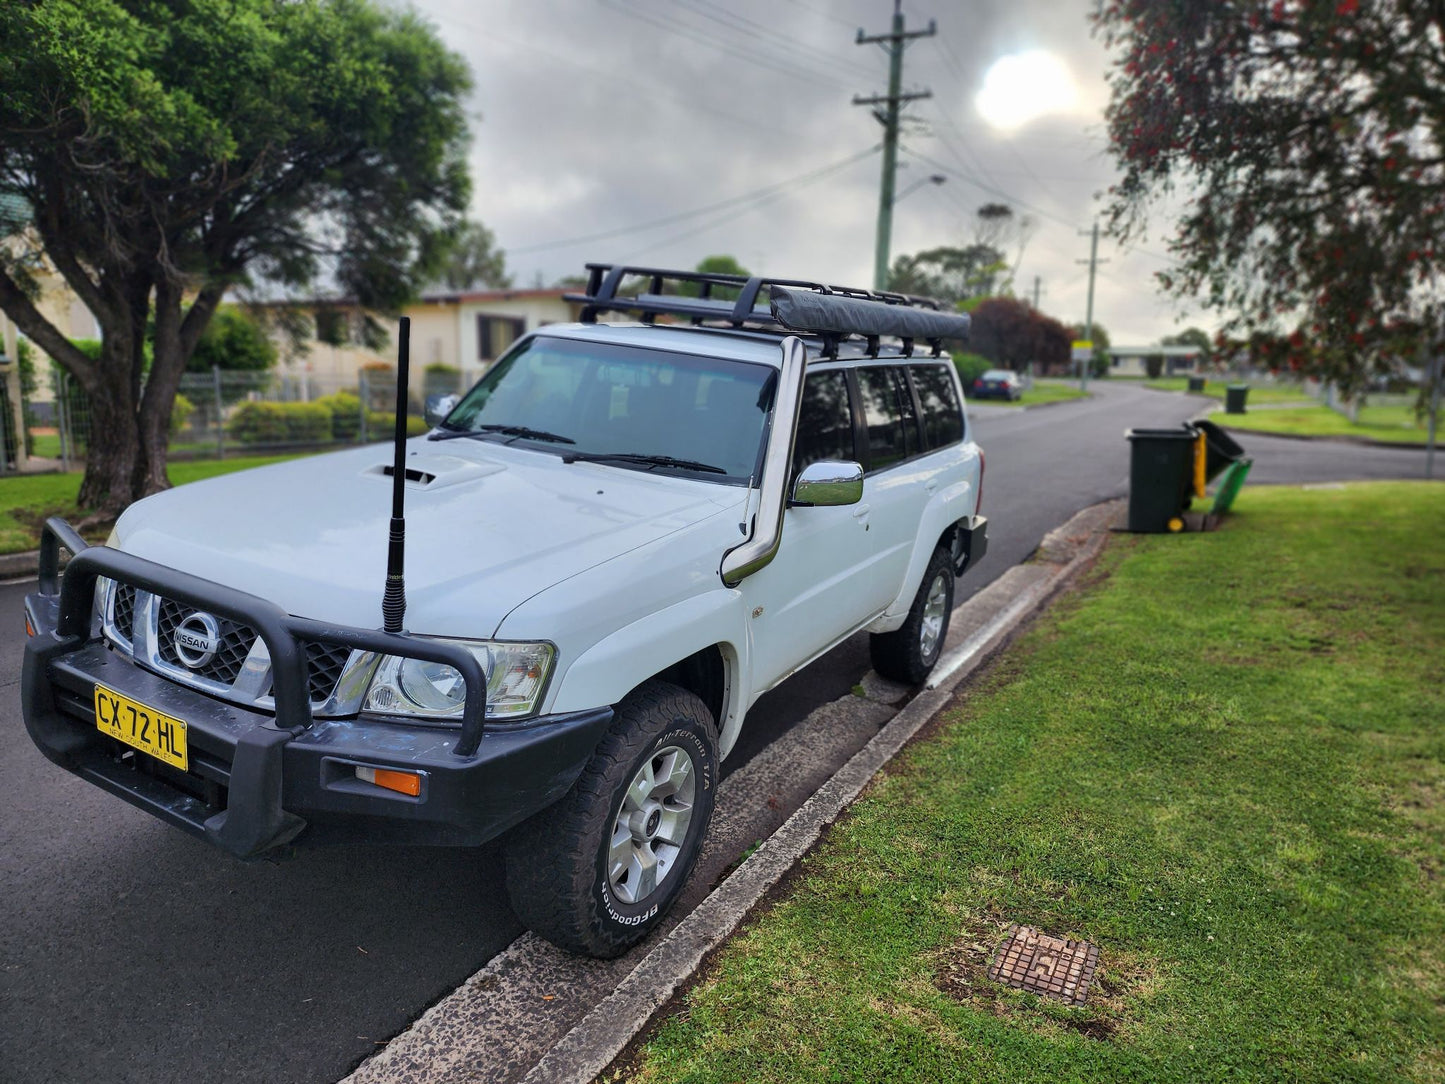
[825,421]
[888,413]
[942,422]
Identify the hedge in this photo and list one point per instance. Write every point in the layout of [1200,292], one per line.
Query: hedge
[971,367]
[280,423]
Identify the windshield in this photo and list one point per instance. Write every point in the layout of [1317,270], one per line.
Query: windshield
[581,400]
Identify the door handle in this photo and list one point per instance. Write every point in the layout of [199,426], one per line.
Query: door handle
[930,485]
[860,512]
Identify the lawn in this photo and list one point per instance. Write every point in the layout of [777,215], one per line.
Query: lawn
[1220,761]
[1271,394]
[27,500]
[1383,422]
[1049,391]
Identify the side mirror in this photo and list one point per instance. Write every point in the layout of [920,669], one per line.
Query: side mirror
[828,483]
[438,407]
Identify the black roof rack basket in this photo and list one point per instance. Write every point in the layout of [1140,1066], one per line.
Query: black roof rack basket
[792,306]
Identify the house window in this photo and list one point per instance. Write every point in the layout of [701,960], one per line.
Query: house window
[496,333]
[332,327]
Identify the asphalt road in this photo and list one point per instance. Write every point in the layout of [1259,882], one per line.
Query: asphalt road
[131,952]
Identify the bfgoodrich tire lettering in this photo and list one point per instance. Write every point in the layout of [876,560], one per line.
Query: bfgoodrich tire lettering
[578,872]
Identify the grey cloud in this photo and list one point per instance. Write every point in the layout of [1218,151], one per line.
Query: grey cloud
[594,119]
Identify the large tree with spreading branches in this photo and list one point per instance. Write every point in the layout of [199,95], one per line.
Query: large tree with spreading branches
[1306,142]
[169,150]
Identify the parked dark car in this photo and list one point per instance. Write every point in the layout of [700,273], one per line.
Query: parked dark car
[998,384]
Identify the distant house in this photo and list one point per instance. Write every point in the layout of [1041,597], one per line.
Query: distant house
[466,330]
[1130,360]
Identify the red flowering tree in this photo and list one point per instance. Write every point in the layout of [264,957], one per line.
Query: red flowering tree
[1307,142]
[1012,334]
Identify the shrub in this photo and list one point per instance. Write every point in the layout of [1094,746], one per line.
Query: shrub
[380,425]
[970,367]
[181,411]
[1154,366]
[280,423]
[345,409]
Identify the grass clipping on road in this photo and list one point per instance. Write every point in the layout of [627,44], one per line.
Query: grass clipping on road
[1220,760]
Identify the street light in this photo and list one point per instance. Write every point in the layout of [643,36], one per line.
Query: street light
[932,178]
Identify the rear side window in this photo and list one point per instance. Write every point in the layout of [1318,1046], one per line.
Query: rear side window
[942,420]
[825,421]
[888,414]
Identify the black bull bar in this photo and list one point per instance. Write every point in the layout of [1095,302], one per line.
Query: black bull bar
[254,819]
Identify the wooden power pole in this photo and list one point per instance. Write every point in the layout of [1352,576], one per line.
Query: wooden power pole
[893,42]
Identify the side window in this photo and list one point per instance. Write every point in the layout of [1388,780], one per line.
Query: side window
[825,421]
[942,421]
[888,413]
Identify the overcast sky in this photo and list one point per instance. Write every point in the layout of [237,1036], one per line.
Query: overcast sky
[605,116]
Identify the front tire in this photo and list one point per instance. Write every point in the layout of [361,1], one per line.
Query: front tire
[597,871]
[909,653]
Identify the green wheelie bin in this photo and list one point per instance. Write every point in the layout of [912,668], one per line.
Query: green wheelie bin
[1161,477]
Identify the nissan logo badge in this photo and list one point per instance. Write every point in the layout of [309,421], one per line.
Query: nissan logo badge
[196,640]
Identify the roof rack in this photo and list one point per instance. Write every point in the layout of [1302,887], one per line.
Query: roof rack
[832,313]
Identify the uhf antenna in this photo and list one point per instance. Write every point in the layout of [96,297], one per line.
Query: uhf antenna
[393,601]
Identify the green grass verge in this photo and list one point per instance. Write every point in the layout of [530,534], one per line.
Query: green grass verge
[1271,394]
[1221,761]
[27,500]
[1388,422]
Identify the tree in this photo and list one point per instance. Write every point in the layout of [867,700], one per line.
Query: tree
[1193,336]
[949,274]
[1098,334]
[233,342]
[1012,334]
[473,260]
[170,151]
[721,264]
[1309,140]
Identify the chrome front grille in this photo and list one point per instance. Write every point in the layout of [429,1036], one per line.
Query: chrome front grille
[144,625]
[325,664]
[124,609]
[225,665]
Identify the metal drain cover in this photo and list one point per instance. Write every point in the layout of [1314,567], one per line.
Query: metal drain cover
[1032,960]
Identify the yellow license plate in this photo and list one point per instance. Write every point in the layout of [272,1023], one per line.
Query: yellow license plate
[142,727]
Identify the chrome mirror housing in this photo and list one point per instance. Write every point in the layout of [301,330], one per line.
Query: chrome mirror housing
[438,407]
[828,483]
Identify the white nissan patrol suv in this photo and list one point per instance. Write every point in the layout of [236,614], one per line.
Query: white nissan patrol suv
[619,539]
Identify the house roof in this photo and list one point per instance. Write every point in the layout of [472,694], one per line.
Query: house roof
[429,297]
[455,296]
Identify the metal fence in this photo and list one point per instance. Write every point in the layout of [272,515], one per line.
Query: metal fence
[221,414]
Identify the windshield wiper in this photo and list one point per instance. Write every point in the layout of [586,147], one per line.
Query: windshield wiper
[518,431]
[638,457]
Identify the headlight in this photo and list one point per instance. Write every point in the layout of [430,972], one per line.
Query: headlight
[516,678]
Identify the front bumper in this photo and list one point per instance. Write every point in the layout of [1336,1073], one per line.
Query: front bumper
[257,781]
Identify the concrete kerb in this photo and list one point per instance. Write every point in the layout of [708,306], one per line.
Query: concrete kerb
[19,565]
[596,1041]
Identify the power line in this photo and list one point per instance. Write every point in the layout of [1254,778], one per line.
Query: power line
[760,31]
[967,179]
[731,216]
[801,180]
[781,66]
[826,14]
[488,36]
